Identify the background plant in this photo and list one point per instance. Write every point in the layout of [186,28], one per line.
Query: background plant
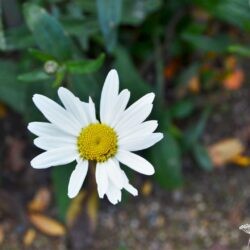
[181,50]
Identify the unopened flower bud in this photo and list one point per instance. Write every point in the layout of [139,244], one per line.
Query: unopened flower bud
[50,67]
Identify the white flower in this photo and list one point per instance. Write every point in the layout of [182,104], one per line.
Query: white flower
[74,133]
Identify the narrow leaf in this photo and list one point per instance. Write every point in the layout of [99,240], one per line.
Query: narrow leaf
[240,50]
[194,132]
[202,157]
[85,66]
[41,56]
[206,43]
[182,109]
[33,76]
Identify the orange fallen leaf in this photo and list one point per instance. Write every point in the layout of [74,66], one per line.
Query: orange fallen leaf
[224,151]
[41,200]
[29,237]
[242,161]
[194,85]
[47,225]
[234,80]
[147,188]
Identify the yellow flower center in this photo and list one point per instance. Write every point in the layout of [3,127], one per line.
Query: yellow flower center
[97,142]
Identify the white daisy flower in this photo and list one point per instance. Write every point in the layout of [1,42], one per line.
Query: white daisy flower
[74,133]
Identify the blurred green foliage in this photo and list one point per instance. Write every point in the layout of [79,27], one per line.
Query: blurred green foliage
[48,43]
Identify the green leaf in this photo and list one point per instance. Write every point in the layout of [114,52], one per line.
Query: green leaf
[166,157]
[31,113]
[85,86]
[240,50]
[41,56]
[11,91]
[202,158]
[235,12]
[109,15]
[85,66]
[3,44]
[129,75]
[194,132]
[18,38]
[87,6]
[60,177]
[34,76]
[217,44]
[182,109]
[82,28]
[48,32]
[135,12]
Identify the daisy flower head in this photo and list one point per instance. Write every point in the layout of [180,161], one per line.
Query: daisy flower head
[73,133]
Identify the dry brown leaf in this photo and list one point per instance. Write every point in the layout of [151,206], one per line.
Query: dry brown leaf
[75,208]
[41,200]
[47,225]
[3,110]
[147,188]
[224,151]
[234,80]
[1,234]
[92,208]
[29,237]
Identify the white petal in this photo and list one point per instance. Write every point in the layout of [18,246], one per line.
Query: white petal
[114,194]
[52,142]
[135,162]
[92,111]
[128,186]
[101,178]
[119,107]
[140,142]
[55,157]
[134,118]
[141,129]
[135,107]
[131,189]
[45,129]
[114,173]
[109,95]
[73,105]
[77,178]
[57,115]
